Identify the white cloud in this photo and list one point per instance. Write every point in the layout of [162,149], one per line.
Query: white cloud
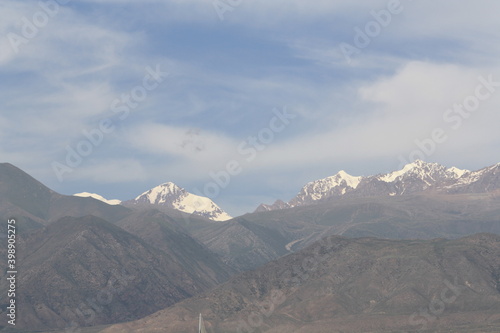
[405,107]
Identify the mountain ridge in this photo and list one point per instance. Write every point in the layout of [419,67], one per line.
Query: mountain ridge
[415,177]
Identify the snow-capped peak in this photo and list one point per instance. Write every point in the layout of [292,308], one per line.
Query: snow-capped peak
[390,177]
[338,184]
[170,195]
[160,193]
[98,197]
[418,168]
[351,181]
[457,172]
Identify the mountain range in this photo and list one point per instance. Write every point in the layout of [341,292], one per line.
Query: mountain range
[416,177]
[171,196]
[72,247]
[413,178]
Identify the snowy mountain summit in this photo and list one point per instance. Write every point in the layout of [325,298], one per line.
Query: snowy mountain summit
[336,185]
[415,177]
[173,196]
[97,197]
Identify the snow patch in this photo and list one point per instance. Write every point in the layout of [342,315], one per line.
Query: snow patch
[318,189]
[351,181]
[390,177]
[457,172]
[112,202]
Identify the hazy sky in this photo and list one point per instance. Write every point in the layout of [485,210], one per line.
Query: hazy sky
[276,92]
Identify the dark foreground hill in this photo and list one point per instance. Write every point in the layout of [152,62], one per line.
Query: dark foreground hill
[35,205]
[87,271]
[353,285]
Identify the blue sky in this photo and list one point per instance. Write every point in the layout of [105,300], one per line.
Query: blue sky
[227,79]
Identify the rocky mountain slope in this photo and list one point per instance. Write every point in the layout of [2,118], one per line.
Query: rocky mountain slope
[352,285]
[167,232]
[68,259]
[87,271]
[253,239]
[424,216]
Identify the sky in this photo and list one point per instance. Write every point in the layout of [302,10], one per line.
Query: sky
[244,101]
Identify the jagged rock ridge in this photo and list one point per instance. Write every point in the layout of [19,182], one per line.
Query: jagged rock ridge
[415,177]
